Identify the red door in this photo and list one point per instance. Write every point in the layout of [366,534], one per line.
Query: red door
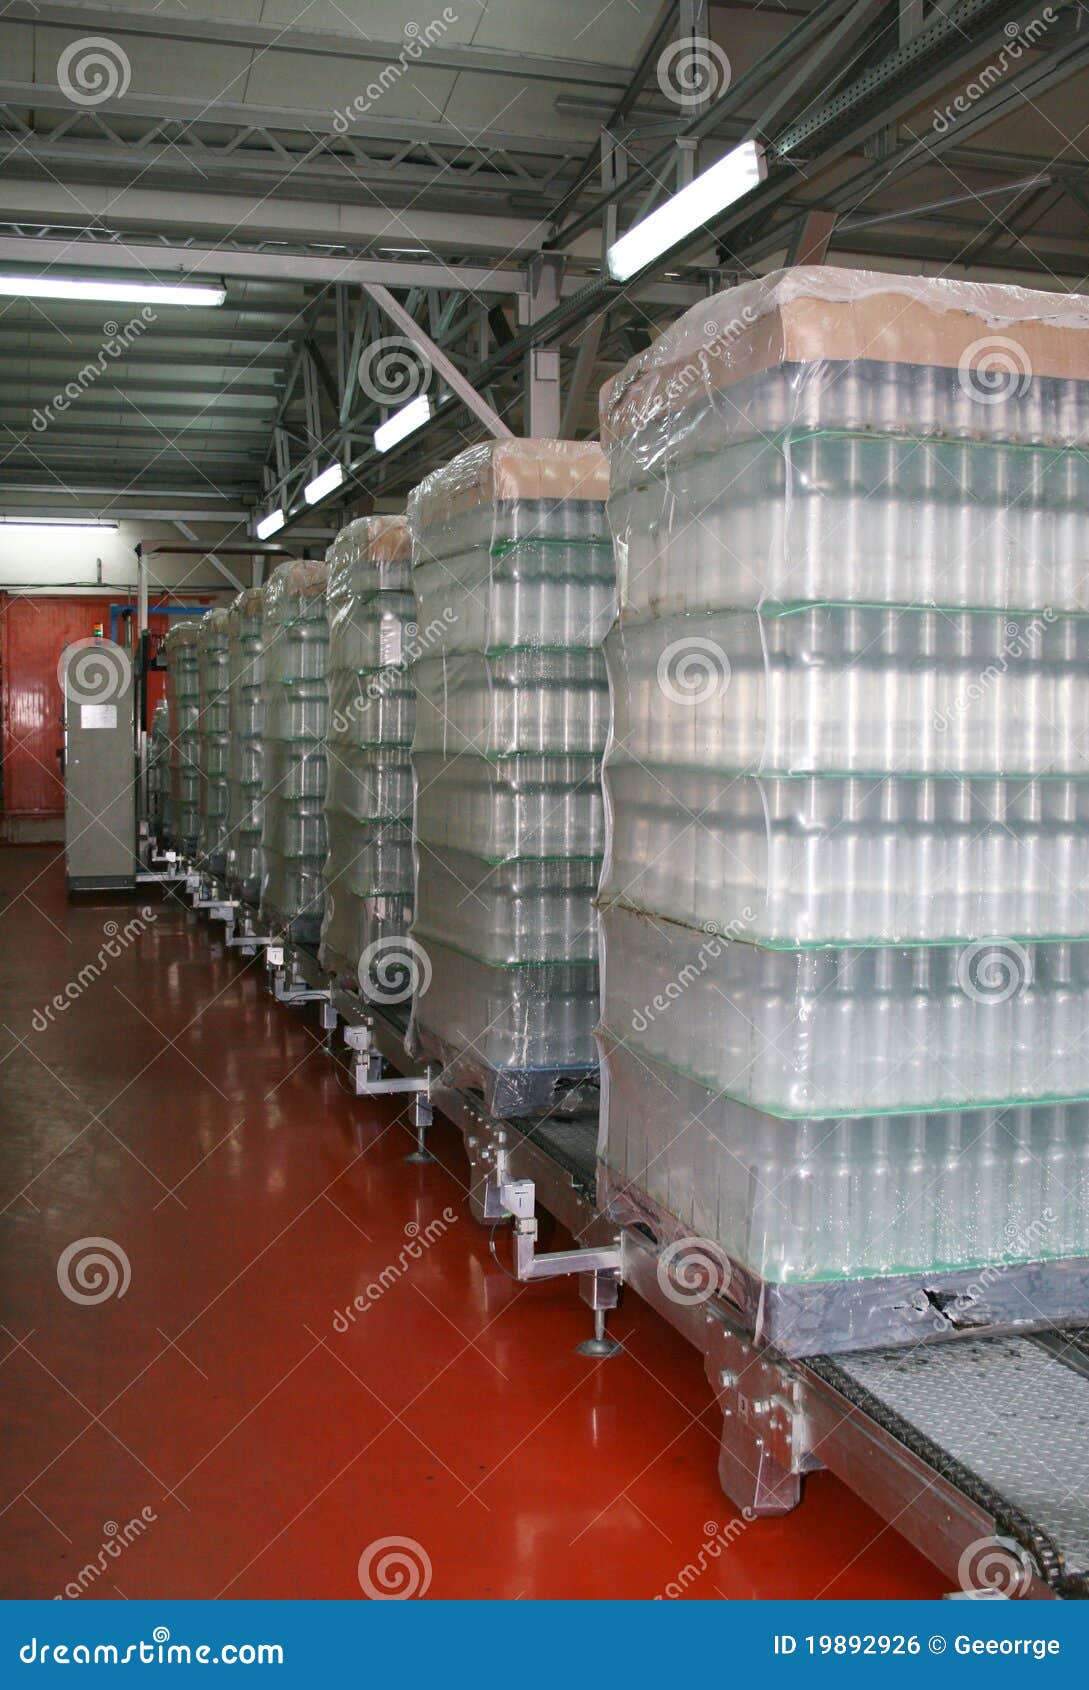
[34,630]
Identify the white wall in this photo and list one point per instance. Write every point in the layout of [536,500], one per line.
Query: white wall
[60,559]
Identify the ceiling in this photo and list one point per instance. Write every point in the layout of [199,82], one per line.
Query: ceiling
[447,179]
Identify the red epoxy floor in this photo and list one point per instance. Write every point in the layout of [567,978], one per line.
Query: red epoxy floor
[176,1112]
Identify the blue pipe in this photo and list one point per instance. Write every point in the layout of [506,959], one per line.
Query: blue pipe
[155,610]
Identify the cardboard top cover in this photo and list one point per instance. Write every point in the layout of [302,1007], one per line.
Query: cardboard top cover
[504,470]
[814,312]
[294,578]
[247,604]
[375,539]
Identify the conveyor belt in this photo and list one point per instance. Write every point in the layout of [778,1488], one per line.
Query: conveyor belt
[1005,1420]
[571,1143]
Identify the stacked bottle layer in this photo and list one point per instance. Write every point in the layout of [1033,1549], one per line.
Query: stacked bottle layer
[513,575]
[368,796]
[158,772]
[246,713]
[181,648]
[295,635]
[847,875]
[214,740]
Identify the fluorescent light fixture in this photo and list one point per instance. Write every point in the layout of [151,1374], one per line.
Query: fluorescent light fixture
[49,525]
[269,525]
[711,192]
[327,482]
[111,292]
[405,421]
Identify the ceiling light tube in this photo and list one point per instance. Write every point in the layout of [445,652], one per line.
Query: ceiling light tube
[111,292]
[403,422]
[327,482]
[69,524]
[712,191]
[269,525]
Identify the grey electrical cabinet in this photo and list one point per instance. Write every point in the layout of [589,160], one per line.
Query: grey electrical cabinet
[100,766]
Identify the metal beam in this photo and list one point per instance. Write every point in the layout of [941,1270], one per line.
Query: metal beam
[310,123]
[581,375]
[136,513]
[792,48]
[267,266]
[336,44]
[440,363]
[227,574]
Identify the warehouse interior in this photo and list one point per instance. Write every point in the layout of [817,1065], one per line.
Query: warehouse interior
[544,805]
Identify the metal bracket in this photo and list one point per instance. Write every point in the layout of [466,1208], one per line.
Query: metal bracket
[294,994]
[248,943]
[219,909]
[765,1448]
[600,1267]
[367,1077]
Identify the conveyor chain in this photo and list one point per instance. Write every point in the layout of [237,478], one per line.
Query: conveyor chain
[1009,1520]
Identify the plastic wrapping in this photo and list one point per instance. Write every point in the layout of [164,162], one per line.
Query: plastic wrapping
[881,519]
[824,434]
[514,579]
[214,740]
[520,911]
[851,1029]
[246,757]
[484,1023]
[849,690]
[368,794]
[846,781]
[962,358]
[549,702]
[819,861]
[158,772]
[182,652]
[295,646]
[828,1200]
[514,807]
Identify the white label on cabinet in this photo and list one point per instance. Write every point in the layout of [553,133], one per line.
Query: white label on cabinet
[98,715]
